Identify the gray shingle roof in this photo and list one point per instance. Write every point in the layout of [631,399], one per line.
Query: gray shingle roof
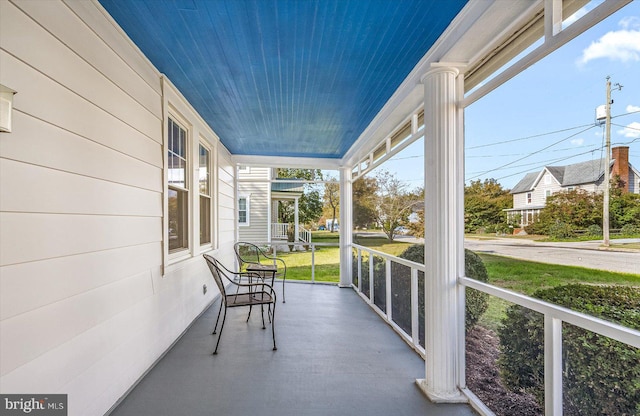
[584,172]
[575,174]
[287,187]
[526,183]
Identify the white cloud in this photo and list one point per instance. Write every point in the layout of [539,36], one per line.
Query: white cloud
[577,142]
[631,108]
[630,22]
[632,130]
[621,45]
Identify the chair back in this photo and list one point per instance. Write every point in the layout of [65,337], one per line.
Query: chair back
[216,273]
[246,253]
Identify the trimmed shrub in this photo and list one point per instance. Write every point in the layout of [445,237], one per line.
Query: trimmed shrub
[601,375]
[630,229]
[594,230]
[477,302]
[561,230]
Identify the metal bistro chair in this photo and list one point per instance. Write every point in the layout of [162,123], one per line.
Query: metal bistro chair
[247,294]
[253,258]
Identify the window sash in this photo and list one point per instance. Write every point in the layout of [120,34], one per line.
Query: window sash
[243,210]
[178,220]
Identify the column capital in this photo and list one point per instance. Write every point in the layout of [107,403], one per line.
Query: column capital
[439,67]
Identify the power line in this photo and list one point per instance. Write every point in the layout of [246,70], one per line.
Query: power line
[544,165]
[533,153]
[520,154]
[531,137]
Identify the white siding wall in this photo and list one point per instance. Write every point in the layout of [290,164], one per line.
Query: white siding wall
[634,182]
[259,195]
[88,301]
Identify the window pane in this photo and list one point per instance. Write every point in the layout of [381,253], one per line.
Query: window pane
[204,171]
[242,210]
[178,220]
[176,163]
[205,220]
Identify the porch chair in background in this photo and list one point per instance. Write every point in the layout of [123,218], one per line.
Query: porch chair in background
[246,294]
[251,257]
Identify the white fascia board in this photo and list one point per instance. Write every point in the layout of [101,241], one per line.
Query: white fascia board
[287,162]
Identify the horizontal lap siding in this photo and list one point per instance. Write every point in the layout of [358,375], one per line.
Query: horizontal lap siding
[85,308]
[258,209]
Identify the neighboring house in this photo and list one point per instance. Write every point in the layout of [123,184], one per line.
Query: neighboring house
[260,200]
[531,193]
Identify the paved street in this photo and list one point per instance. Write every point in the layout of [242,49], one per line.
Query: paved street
[584,254]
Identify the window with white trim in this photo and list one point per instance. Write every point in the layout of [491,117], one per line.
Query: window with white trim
[178,187]
[204,182]
[547,193]
[243,210]
[529,197]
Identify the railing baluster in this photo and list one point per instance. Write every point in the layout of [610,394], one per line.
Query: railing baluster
[371,294]
[313,263]
[387,280]
[552,366]
[359,270]
[415,313]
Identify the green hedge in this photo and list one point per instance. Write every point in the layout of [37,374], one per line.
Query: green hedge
[477,302]
[601,376]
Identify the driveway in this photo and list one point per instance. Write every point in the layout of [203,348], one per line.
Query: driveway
[584,253]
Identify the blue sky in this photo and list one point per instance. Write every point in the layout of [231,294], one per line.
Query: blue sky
[551,108]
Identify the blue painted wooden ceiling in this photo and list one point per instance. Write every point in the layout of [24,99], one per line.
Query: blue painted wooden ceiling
[285,77]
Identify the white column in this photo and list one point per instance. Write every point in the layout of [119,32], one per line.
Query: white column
[346,227]
[444,234]
[296,220]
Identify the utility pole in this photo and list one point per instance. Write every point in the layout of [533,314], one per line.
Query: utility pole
[607,162]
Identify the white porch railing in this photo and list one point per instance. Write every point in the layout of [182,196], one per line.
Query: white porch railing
[367,281]
[279,231]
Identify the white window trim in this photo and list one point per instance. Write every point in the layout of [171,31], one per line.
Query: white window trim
[186,252]
[529,198]
[212,238]
[248,209]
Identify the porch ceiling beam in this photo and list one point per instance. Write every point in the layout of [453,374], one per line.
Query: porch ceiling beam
[550,44]
[287,162]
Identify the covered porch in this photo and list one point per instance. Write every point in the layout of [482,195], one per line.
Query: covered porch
[96,295]
[335,356]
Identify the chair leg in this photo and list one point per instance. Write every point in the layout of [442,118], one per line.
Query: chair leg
[262,313]
[284,277]
[224,317]
[273,326]
[218,318]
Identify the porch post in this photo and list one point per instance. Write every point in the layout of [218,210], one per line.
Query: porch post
[444,234]
[346,227]
[295,221]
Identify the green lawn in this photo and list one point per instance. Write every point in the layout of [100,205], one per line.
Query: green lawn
[527,277]
[327,258]
[517,275]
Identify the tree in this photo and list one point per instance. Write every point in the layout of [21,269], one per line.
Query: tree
[364,190]
[309,204]
[484,202]
[576,209]
[393,203]
[332,200]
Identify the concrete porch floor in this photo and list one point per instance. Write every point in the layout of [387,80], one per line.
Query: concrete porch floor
[335,357]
